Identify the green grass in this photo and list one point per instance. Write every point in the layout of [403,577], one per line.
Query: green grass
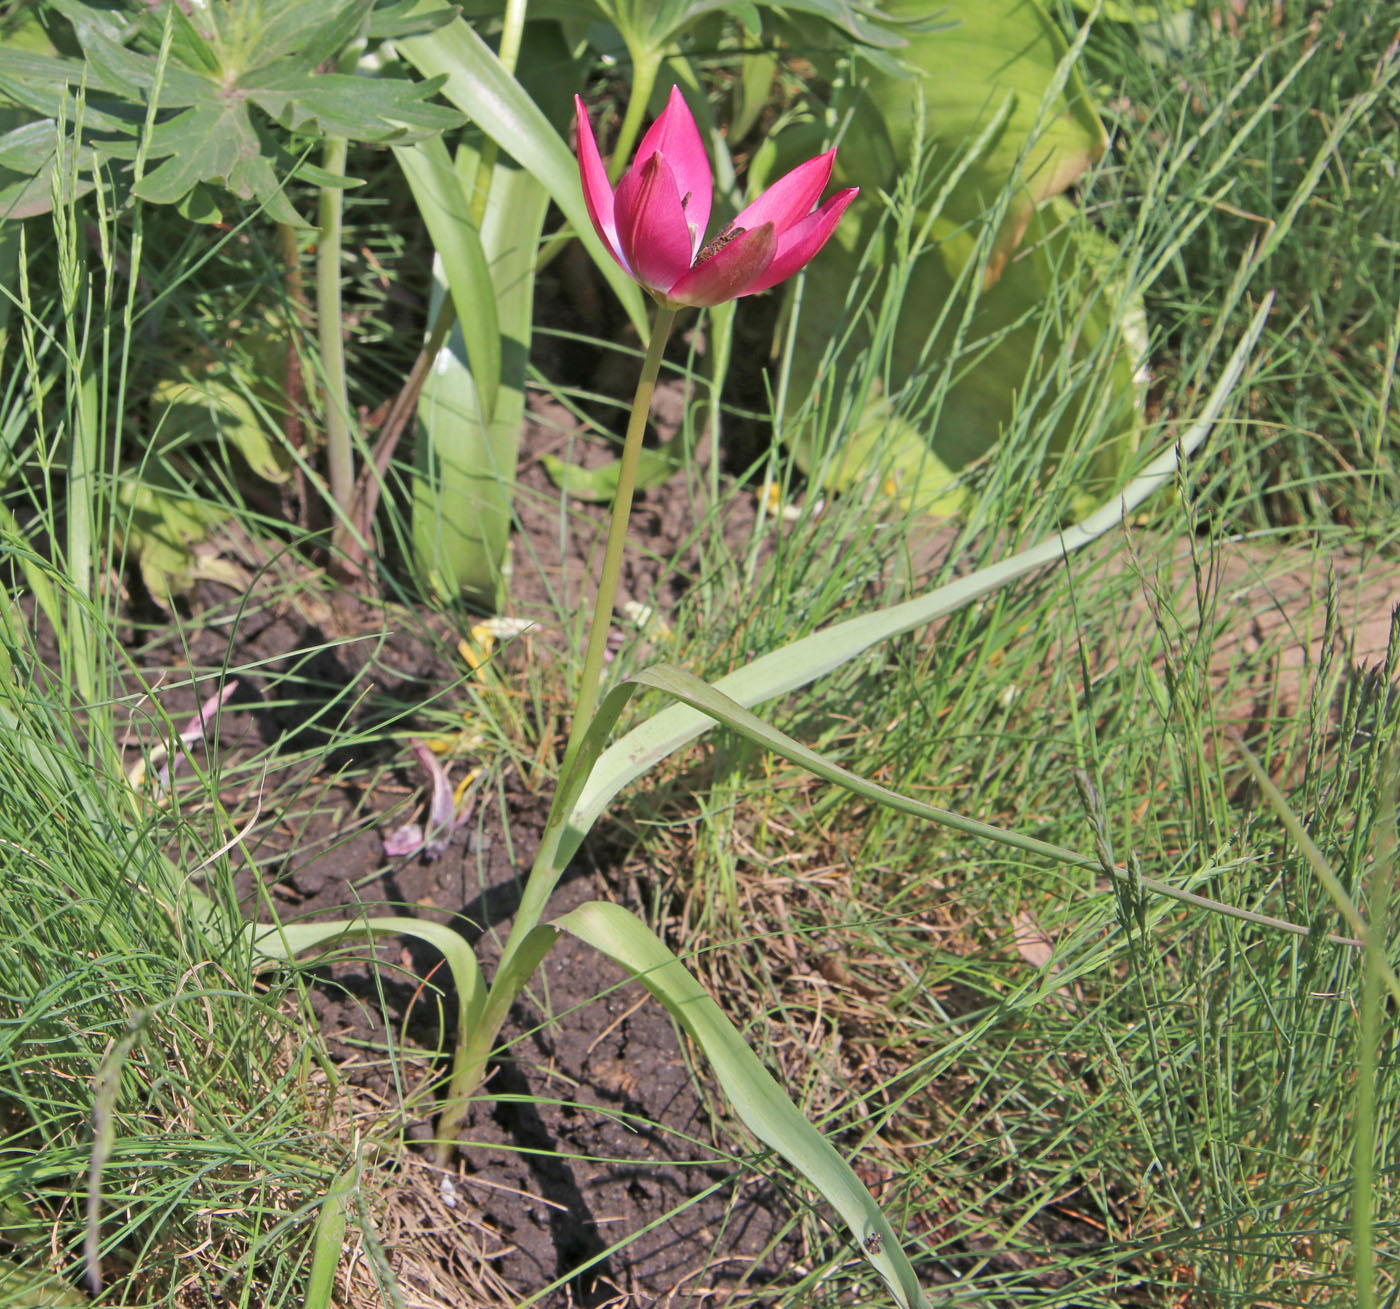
[1312,190]
[1167,1116]
[1065,1094]
[124,1027]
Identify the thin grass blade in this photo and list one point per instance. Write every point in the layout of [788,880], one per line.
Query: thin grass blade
[802,662]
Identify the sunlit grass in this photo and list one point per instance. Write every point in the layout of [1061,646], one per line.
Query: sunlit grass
[1066,1095]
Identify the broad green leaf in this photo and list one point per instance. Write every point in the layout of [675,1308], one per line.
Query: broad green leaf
[465,471]
[599,483]
[378,110]
[761,1104]
[504,110]
[400,18]
[220,92]
[804,661]
[25,1288]
[213,410]
[660,23]
[445,205]
[1059,309]
[1003,312]
[28,157]
[992,49]
[157,525]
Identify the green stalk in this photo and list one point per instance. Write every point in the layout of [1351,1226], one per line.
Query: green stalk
[1369,1038]
[528,941]
[617,536]
[340,455]
[508,55]
[645,66]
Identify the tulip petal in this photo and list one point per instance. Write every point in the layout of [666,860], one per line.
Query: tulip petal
[675,136]
[791,197]
[597,191]
[727,273]
[799,243]
[651,226]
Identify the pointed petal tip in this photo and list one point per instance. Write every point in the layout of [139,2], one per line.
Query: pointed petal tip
[799,245]
[597,190]
[675,135]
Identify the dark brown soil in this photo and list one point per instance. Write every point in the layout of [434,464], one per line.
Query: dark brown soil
[619,1143]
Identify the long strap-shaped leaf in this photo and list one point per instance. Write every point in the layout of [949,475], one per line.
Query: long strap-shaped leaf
[690,690]
[760,1102]
[447,213]
[502,108]
[802,662]
[285,941]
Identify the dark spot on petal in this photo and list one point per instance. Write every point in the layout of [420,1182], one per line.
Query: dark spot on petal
[685,199]
[718,244]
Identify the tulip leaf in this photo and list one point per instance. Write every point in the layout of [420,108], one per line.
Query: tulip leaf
[761,1104]
[599,483]
[283,942]
[444,202]
[465,464]
[502,108]
[804,661]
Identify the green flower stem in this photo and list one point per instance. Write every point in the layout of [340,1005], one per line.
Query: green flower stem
[340,457]
[527,942]
[645,66]
[508,55]
[617,536]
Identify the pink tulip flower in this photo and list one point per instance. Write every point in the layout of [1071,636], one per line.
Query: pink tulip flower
[654,222]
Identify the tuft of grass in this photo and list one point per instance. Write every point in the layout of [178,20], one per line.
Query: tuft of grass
[1073,1095]
[1309,195]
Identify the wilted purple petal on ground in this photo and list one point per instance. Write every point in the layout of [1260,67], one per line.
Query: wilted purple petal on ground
[444,818]
[440,809]
[403,840]
[195,729]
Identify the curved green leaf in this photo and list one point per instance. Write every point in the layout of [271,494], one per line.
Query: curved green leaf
[762,1105]
[447,213]
[802,662]
[598,484]
[282,942]
[464,486]
[690,690]
[477,84]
